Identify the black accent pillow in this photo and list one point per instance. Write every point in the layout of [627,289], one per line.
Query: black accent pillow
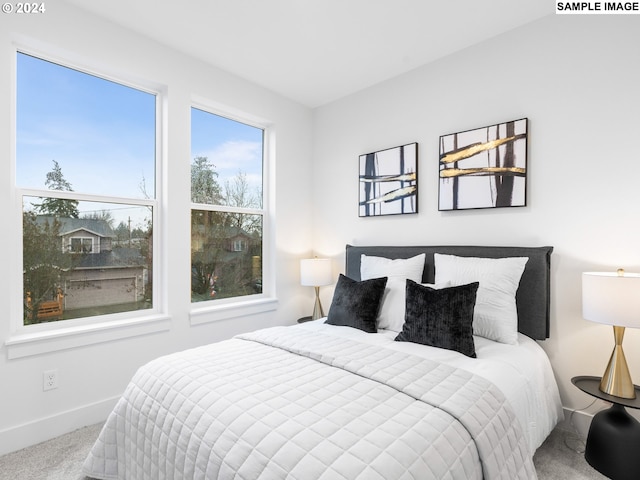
[440,317]
[356,304]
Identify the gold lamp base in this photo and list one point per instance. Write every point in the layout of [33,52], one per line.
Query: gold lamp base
[616,380]
[317,308]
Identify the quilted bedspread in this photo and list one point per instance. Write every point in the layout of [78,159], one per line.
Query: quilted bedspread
[282,403]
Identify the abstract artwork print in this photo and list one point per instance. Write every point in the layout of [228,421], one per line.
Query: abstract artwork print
[389,181]
[484,168]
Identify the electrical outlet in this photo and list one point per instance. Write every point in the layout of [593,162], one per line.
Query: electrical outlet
[49,380]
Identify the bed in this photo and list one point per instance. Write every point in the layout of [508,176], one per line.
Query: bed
[368,392]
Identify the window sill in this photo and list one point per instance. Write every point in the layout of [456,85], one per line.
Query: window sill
[225,311]
[24,345]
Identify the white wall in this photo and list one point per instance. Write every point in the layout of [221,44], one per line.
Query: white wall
[577,79]
[91,378]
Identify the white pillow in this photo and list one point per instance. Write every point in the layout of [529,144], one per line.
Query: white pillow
[375,267]
[397,271]
[393,308]
[495,316]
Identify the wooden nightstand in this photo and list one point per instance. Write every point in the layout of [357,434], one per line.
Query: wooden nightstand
[613,442]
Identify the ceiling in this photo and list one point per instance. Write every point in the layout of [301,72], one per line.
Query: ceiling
[317,51]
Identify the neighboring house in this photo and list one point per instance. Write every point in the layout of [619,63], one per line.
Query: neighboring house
[227,242]
[104,274]
[234,255]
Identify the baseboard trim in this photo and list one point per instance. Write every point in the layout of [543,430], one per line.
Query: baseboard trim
[46,428]
[576,420]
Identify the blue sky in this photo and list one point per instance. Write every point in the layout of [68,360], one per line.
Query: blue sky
[102,134]
[231,146]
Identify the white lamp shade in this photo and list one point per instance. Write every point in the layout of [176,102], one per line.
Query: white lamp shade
[315,272]
[611,298]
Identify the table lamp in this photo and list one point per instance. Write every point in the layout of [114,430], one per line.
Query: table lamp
[316,272]
[613,298]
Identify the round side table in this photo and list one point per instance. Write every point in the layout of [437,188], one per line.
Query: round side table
[613,442]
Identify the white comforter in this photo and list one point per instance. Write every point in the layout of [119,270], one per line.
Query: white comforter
[306,402]
[522,372]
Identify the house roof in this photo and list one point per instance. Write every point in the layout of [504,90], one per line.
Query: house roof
[69,225]
[226,233]
[117,258]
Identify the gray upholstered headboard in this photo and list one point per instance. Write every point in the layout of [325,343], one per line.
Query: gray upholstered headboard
[532,297]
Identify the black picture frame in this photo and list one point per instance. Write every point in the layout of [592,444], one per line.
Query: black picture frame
[484,167]
[388,181]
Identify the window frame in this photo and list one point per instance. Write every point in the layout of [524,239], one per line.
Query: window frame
[228,308]
[238,245]
[26,340]
[81,241]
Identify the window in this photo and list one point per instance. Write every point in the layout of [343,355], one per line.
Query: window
[86,176]
[227,216]
[238,245]
[81,245]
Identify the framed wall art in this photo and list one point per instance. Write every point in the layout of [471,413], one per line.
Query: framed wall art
[484,168]
[389,181]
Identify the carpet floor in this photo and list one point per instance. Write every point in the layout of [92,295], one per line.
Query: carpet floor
[61,458]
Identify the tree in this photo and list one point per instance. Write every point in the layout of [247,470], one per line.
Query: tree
[146,249]
[43,263]
[122,233]
[204,189]
[204,260]
[43,260]
[204,183]
[104,215]
[59,207]
[237,193]
[213,232]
